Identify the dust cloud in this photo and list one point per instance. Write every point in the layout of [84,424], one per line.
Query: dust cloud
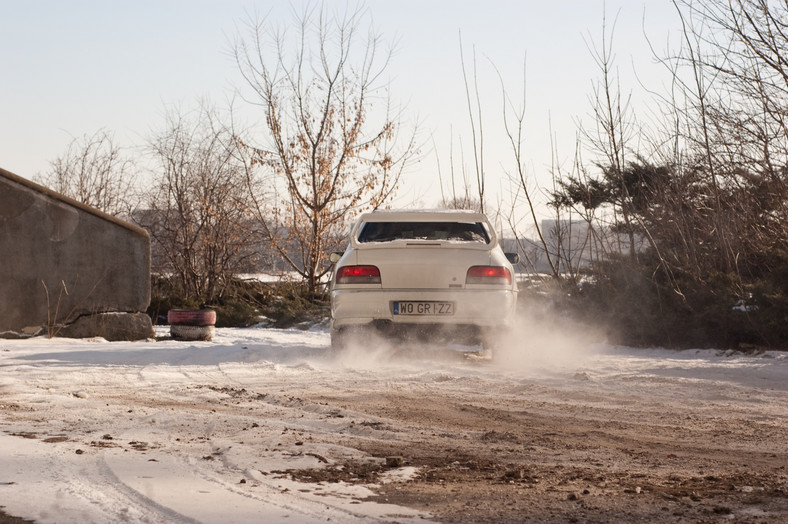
[534,345]
[539,343]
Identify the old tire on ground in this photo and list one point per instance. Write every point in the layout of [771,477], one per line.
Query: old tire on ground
[180,332]
[192,317]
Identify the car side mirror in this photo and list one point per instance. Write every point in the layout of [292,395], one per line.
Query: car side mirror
[513,258]
[335,256]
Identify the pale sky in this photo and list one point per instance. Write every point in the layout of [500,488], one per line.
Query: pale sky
[72,67]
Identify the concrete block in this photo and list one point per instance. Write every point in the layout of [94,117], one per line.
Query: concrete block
[61,260]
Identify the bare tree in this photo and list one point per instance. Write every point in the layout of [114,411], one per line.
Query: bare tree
[722,205]
[198,211]
[95,171]
[515,134]
[613,128]
[330,135]
[453,197]
[477,126]
[738,50]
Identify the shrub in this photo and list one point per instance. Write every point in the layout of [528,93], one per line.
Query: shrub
[289,304]
[636,307]
[246,302]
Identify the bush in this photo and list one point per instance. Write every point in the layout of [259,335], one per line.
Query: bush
[769,313]
[165,296]
[637,307]
[234,312]
[288,304]
[246,303]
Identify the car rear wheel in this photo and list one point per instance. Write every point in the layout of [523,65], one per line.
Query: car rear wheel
[338,339]
[345,337]
[492,339]
[487,350]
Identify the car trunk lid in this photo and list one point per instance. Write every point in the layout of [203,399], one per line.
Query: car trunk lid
[424,265]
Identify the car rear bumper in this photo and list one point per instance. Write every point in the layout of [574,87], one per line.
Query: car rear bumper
[480,308]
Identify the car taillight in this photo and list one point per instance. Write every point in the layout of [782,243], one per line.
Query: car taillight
[488,275]
[358,275]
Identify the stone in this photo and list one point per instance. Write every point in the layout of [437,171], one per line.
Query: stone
[110,326]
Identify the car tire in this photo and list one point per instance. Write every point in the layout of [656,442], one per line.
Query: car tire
[487,350]
[349,336]
[339,338]
[191,317]
[491,340]
[181,332]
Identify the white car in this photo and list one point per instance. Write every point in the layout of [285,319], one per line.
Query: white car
[428,274]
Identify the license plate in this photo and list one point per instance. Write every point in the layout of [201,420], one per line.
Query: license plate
[424,308]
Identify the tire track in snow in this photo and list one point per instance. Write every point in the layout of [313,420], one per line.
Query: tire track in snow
[178,486]
[93,495]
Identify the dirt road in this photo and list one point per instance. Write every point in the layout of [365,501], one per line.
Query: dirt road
[540,455]
[279,424]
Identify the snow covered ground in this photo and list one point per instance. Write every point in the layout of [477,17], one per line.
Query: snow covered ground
[170,431]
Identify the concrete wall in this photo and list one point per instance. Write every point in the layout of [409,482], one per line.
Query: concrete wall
[61,260]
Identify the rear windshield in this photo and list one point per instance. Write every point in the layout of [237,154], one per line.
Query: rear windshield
[435,231]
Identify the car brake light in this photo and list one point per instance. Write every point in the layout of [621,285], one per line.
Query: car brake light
[488,275]
[358,275]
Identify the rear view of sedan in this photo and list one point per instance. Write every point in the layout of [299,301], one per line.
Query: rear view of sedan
[425,275]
